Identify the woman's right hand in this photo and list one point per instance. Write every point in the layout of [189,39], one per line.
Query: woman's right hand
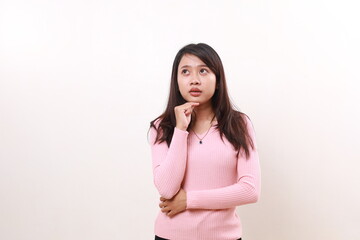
[183,114]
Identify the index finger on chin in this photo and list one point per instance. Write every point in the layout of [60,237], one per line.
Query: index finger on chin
[194,103]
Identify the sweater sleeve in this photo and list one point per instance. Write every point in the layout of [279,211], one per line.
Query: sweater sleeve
[169,163]
[246,190]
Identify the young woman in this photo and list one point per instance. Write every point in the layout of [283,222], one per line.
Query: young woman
[204,156]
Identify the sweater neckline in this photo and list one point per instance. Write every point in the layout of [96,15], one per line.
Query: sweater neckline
[208,132]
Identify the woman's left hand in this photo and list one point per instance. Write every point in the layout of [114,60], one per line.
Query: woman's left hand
[175,205]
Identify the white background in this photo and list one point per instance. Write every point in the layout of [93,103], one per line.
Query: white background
[81,80]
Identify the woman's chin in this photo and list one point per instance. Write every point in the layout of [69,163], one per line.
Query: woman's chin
[199,100]
[192,99]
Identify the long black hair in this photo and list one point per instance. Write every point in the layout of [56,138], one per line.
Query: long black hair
[231,123]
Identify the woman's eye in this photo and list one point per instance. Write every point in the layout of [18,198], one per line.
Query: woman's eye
[203,71]
[184,71]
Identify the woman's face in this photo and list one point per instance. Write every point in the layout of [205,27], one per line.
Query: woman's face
[196,81]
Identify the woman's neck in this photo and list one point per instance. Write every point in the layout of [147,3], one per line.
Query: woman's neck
[204,113]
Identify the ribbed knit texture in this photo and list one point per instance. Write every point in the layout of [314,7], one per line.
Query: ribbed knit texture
[215,180]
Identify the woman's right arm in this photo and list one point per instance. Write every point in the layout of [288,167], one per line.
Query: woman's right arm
[169,163]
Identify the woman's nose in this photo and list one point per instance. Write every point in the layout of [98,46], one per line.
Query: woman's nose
[195,79]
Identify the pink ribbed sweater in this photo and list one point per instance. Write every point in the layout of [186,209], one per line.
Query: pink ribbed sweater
[215,180]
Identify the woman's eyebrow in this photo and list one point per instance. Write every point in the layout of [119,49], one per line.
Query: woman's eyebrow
[188,66]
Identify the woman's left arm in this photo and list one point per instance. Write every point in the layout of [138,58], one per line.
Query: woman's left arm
[246,190]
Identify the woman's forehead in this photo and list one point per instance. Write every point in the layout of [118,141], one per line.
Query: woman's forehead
[190,60]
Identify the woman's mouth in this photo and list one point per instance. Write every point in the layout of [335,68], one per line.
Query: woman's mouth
[195,92]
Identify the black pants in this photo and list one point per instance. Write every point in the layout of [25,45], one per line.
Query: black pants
[160,238]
